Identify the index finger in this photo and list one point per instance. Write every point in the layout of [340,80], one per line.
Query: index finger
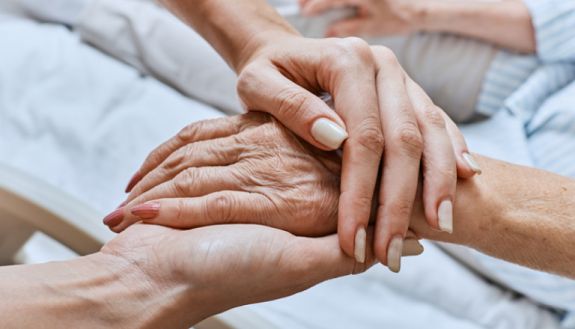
[195,132]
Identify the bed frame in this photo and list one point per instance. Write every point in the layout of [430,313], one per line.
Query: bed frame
[28,205]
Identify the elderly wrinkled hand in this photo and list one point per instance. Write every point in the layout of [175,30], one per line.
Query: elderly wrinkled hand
[242,169]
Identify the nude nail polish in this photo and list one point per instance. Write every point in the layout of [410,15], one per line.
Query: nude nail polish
[133,181]
[412,247]
[360,244]
[394,251]
[328,133]
[472,163]
[148,210]
[445,215]
[114,218]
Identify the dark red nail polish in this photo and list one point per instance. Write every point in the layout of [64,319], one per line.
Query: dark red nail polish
[133,181]
[114,218]
[148,210]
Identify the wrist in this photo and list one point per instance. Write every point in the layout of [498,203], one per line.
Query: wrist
[258,44]
[147,293]
[477,208]
[96,291]
[239,29]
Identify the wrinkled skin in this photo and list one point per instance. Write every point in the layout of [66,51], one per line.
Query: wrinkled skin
[224,266]
[252,170]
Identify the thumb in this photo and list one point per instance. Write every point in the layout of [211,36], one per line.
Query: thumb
[328,260]
[304,113]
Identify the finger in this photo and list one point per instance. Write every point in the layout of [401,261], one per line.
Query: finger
[401,160]
[355,99]
[316,7]
[192,182]
[207,153]
[223,207]
[265,89]
[412,247]
[324,259]
[198,131]
[347,27]
[439,165]
[467,166]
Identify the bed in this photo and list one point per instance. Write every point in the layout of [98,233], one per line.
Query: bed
[76,121]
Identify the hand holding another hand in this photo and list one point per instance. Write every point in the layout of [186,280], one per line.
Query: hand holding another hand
[187,273]
[393,126]
[242,169]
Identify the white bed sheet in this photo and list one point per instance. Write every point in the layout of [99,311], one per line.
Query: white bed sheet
[84,122]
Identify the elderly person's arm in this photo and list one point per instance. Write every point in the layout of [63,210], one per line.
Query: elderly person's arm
[504,23]
[520,214]
[267,176]
[155,277]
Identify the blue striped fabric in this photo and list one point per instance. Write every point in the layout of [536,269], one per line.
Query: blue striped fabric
[539,90]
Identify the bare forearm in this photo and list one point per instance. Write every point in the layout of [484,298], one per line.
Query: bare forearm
[523,215]
[505,23]
[97,291]
[234,28]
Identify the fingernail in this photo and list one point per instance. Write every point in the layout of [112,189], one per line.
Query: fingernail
[445,214]
[147,210]
[394,254]
[360,242]
[133,181]
[114,218]
[471,162]
[328,133]
[412,247]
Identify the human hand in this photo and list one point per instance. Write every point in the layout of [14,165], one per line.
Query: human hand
[193,267]
[242,169]
[392,108]
[373,17]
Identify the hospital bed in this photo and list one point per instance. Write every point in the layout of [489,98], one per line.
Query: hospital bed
[69,104]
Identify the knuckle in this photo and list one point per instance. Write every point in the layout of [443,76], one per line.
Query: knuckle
[183,181]
[371,136]
[174,161]
[350,51]
[180,214]
[442,175]
[218,208]
[246,79]
[290,101]
[401,209]
[433,116]
[385,55]
[189,132]
[408,140]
